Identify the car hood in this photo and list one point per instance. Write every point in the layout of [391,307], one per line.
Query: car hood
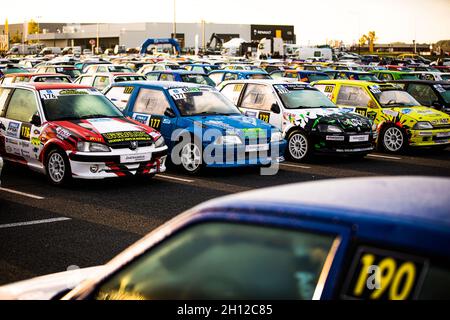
[95,129]
[48,286]
[349,121]
[419,113]
[234,124]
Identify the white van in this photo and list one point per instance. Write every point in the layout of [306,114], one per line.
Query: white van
[50,50]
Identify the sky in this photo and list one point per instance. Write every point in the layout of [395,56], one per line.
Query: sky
[315,21]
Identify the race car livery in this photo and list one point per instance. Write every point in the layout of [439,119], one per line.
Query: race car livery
[66,130]
[400,119]
[200,126]
[308,119]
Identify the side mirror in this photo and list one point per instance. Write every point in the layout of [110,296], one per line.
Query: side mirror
[169,113]
[275,108]
[36,120]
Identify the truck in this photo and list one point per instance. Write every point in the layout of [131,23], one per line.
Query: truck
[270,47]
[304,53]
[23,49]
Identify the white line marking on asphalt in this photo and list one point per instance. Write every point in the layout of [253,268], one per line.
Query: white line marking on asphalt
[174,178]
[295,166]
[385,157]
[28,223]
[29,195]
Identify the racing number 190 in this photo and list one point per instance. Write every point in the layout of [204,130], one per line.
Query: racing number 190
[398,279]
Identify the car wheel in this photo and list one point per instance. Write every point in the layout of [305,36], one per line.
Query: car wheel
[393,139]
[298,146]
[57,167]
[191,157]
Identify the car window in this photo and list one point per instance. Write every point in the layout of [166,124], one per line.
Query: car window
[230,76]
[86,81]
[259,97]
[353,96]
[385,76]
[4,93]
[403,276]
[102,69]
[8,80]
[232,91]
[119,96]
[151,101]
[225,261]
[216,77]
[22,106]
[422,93]
[166,77]
[197,69]
[101,83]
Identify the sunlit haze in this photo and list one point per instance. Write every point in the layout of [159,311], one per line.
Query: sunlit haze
[315,21]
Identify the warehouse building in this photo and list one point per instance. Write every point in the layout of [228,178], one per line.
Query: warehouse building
[134,34]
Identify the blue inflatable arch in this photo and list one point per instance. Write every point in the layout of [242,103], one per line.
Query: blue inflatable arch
[152,41]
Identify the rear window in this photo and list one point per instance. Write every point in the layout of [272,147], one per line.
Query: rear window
[378,274]
[226,261]
[259,76]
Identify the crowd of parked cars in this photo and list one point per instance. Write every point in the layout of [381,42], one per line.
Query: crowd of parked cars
[97,117]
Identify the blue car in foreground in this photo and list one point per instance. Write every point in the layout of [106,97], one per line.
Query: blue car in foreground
[202,128]
[359,238]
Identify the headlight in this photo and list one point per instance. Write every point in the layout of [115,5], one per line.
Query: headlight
[329,128]
[160,142]
[276,136]
[228,140]
[85,146]
[422,125]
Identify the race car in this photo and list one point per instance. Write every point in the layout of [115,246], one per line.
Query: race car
[309,121]
[202,128]
[72,131]
[34,77]
[181,76]
[304,75]
[388,75]
[68,70]
[351,75]
[102,80]
[401,120]
[322,240]
[225,75]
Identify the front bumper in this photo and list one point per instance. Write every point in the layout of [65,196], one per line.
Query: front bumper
[350,143]
[118,163]
[239,156]
[429,138]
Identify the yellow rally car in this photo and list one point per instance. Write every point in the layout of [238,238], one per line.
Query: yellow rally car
[401,121]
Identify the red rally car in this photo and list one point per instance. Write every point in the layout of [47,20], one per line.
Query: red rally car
[68,130]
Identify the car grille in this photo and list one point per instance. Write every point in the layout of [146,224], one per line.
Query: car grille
[127,144]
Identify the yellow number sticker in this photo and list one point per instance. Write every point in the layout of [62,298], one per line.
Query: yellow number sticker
[384,275]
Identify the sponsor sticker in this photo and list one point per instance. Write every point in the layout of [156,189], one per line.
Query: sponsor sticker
[125,136]
[257,147]
[131,158]
[375,89]
[390,113]
[13,129]
[142,118]
[54,94]
[359,138]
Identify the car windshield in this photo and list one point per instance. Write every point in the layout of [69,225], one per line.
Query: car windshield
[198,78]
[52,79]
[119,69]
[75,104]
[73,73]
[129,78]
[444,91]
[408,76]
[259,76]
[202,101]
[300,97]
[395,98]
[367,77]
[445,77]
[317,77]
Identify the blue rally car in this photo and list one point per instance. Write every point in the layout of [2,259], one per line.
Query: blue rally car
[218,76]
[359,238]
[200,125]
[180,76]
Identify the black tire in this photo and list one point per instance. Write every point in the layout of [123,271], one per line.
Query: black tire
[57,167]
[197,151]
[393,139]
[298,146]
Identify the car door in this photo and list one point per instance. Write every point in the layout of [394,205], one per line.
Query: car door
[357,99]
[17,127]
[149,108]
[258,101]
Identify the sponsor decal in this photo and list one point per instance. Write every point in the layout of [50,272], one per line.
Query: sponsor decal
[375,89]
[13,129]
[439,88]
[54,94]
[128,90]
[253,133]
[406,110]
[390,112]
[35,141]
[155,122]
[264,116]
[180,93]
[251,114]
[62,133]
[142,118]
[125,136]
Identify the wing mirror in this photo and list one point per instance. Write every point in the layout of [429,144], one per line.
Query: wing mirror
[36,120]
[169,113]
[275,108]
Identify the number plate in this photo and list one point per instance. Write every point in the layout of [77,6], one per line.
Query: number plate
[384,275]
[256,147]
[443,134]
[139,157]
[359,138]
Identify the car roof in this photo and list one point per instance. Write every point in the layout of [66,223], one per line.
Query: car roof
[263,81]
[114,74]
[413,209]
[50,86]
[177,71]
[430,82]
[348,82]
[160,84]
[239,71]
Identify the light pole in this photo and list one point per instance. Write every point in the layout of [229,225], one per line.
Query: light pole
[174,36]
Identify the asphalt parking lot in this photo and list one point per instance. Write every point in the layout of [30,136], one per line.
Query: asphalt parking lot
[46,229]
